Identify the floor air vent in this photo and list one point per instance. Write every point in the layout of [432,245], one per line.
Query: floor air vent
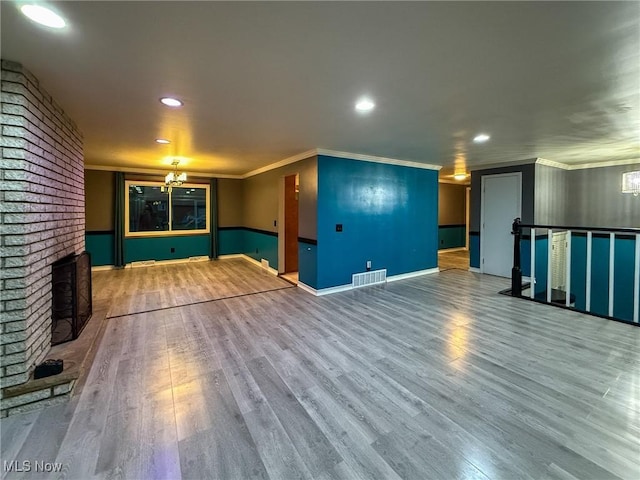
[369,278]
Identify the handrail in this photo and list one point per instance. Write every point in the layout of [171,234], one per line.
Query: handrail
[582,229]
[516,272]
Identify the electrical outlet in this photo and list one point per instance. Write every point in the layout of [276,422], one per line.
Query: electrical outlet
[338,227]
[173,250]
[368,265]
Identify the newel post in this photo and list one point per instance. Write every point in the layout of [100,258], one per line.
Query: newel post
[516,272]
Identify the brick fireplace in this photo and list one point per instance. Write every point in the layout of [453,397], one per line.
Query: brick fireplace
[41,218]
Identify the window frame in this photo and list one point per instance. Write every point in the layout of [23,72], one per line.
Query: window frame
[169,232]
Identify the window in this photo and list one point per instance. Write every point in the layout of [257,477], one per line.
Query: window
[151,212]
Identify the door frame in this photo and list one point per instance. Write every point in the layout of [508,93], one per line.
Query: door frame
[483,210]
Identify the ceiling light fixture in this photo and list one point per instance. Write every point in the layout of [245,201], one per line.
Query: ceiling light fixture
[174,179]
[365,105]
[43,16]
[481,138]
[171,102]
[163,141]
[460,176]
[631,182]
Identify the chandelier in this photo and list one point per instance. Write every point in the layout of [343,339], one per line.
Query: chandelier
[174,179]
[631,182]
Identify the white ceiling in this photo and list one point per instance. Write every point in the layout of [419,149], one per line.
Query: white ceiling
[265,81]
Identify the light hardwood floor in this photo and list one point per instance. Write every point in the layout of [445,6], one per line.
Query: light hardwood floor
[436,377]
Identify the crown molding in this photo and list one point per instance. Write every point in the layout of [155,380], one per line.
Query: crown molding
[551,163]
[515,163]
[281,163]
[151,171]
[612,163]
[374,159]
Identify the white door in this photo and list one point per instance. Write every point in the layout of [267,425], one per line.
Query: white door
[501,203]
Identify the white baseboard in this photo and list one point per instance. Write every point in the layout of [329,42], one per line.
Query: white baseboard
[261,264]
[231,255]
[324,291]
[102,268]
[418,273]
[474,270]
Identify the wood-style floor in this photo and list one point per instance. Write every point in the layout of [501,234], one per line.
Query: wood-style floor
[436,377]
[448,259]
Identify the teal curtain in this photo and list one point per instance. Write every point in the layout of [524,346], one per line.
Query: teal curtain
[213,219]
[118,254]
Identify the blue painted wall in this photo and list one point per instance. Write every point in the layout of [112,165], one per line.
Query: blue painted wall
[389,215]
[159,248]
[624,262]
[230,240]
[100,245]
[308,264]
[474,249]
[258,245]
[253,243]
[451,236]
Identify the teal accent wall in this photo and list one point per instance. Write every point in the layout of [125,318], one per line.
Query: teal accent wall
[451,236]
[600,275]
[474,249]
[308,264]
[159,248]
[259,245]
[253,243]
[579,269]
[388,213]
[624,262]
[100,246]
[525,256]
[231,241]
[541,266]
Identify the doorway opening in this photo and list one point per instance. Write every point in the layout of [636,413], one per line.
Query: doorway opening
[291,190]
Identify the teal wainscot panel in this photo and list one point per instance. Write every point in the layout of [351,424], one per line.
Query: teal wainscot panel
[165,248]
[100,245]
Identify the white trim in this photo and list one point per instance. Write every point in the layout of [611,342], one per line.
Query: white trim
[165,233]
[417,273]
[153,171]
[474,270]
[306,288]
[568,271]
[374,159]
[282,163]
[102,268]
[612,257]
[532,266]
[324,291]
[231,255]
[259,264]
[549,263]
[636,281]
[611,163]
[551,163]
[588,272]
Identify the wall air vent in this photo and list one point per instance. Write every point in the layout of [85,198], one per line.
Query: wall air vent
[369,278]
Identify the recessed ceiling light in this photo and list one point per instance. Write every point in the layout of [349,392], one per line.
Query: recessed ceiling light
[481,138]
[171,102]
[365,105]
[43,16]
[164,141]
[460,176]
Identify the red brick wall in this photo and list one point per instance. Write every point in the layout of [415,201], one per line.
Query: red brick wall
[41,215]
